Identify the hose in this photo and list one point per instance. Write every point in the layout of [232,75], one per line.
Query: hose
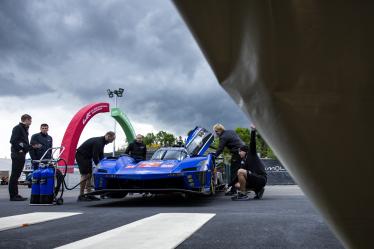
[64,175]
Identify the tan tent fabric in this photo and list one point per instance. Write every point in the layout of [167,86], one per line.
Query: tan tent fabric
[304,72]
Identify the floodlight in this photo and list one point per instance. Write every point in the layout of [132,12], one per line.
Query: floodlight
[110,93]
[118,93]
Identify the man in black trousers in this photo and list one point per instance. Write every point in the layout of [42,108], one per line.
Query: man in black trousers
[20,146]
[232,141]
[91,150]
[252,174]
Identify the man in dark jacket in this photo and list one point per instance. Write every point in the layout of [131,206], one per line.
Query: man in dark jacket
[252,174]
[20,146]
[91,150]
[45,141]
[137,149]
[230,140]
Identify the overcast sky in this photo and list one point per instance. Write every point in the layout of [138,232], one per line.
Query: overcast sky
[58,56]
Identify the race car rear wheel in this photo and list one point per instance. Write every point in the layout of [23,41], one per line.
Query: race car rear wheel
[117,195]
[212,187]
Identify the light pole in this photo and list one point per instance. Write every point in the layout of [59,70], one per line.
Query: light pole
[116,94]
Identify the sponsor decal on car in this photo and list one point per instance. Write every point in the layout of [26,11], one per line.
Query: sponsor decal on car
[149,164]
[168,165]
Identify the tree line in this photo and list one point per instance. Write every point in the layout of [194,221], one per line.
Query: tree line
[164,139]
[155,141]
[160,139]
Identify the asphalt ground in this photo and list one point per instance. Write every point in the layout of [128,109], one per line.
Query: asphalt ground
[284,218]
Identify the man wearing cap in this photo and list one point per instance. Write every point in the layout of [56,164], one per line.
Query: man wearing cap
[252,174]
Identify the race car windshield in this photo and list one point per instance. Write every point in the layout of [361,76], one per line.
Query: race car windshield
[169,155]
[174,155]
[158,155]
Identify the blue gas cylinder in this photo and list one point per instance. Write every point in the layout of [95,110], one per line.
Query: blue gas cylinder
[47,184]
[35,187]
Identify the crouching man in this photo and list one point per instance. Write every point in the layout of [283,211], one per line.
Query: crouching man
[252,174]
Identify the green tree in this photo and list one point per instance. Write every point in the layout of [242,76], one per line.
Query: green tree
[261,145]
[169,139]
[165,139]
[244,134]
[149,139]
[160,137]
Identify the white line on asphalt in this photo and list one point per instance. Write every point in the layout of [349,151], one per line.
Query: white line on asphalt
[164,230]
[25,220]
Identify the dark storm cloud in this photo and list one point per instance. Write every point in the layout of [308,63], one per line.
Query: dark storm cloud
[85,47]
[175,108]
[49,33]
[181,113]
[11,87]
[16,28]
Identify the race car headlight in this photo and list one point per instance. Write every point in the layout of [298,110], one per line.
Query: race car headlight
[203,165]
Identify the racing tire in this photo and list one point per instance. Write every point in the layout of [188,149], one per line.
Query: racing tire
[212,188]
[117,195]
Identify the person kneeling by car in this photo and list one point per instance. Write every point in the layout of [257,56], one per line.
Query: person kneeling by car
[252,174]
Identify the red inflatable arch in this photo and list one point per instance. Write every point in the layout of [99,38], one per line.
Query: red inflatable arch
[74,131]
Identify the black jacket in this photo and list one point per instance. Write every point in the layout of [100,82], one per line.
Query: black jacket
[136,150]
[93,148]
[252,162]
[46,141]
[20,139]
[231,140]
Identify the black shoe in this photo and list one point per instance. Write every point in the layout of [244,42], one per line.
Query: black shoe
[93,198]
[83,198]
[18,198]
[259,194]
[240,197]
[230,191]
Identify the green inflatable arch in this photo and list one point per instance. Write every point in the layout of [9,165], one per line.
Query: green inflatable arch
[125,124]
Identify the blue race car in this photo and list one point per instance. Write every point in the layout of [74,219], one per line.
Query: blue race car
[171,169]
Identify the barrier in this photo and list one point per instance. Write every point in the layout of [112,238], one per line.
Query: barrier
[276,173]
